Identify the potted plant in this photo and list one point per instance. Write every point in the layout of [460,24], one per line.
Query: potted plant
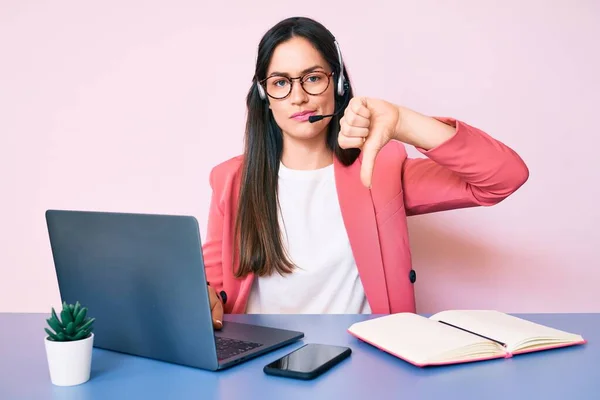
[69,345]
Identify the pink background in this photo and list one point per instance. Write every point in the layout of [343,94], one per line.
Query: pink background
[125,106]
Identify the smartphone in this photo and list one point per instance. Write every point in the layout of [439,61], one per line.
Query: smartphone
[308,362]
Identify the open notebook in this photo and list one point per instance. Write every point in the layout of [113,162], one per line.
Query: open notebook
[458,336]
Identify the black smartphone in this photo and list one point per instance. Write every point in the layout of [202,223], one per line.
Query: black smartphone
[308,362]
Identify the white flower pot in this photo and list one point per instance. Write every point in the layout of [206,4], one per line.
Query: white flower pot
[69,362]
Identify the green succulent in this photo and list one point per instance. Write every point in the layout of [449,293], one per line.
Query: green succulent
[75,325]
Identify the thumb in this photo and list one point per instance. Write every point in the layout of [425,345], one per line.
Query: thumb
[369,149]
[216,308]
[217,315]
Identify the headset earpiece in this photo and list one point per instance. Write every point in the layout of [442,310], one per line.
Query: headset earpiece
[342,85]
[261,91]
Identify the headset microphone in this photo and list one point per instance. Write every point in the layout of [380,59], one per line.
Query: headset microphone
[315,118]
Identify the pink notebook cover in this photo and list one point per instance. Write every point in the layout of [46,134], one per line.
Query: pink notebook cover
[506,355]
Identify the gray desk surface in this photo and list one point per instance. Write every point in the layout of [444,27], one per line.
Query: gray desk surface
[568,373]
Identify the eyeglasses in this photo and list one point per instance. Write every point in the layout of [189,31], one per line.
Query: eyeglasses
[313,83]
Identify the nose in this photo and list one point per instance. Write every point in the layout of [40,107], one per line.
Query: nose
[298,95]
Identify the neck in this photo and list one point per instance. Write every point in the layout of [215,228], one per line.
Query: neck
[306,154]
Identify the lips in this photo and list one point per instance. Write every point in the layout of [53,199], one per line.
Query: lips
[303,115]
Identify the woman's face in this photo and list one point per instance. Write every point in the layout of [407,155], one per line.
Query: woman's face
[295,58]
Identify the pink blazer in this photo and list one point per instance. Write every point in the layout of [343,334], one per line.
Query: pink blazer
[470,169]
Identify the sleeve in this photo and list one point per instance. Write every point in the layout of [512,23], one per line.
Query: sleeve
[212,248]
[469,169]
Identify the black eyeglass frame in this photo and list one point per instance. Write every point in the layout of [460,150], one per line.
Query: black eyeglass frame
[329,75]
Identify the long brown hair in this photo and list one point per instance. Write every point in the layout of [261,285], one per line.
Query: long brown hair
[258,235]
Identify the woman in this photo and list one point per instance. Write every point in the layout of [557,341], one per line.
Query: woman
[312,217]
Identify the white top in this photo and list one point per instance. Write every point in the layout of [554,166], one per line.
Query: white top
[325,279]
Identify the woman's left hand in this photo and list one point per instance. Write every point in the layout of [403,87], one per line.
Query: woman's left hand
[368,124]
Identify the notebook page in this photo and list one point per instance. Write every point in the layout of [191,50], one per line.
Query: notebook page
[505,328]
[416,338]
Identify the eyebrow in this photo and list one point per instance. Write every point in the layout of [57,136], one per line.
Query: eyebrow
[311,69]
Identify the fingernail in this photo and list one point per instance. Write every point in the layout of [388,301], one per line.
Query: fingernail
[218,322]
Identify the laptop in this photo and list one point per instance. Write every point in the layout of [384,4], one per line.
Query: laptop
[142,277]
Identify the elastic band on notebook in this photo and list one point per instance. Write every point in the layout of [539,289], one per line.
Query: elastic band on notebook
[477,334]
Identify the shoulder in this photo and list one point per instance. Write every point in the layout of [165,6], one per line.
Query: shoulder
[224,173]
[227,167]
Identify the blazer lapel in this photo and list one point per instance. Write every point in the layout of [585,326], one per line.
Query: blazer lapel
[358,213]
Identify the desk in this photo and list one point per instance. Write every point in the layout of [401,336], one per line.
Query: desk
[568,373]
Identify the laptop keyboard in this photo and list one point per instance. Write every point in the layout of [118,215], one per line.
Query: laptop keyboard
[227,347]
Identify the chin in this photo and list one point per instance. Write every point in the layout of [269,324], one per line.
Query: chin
[306,130]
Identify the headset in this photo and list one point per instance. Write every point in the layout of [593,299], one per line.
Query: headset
[341,89]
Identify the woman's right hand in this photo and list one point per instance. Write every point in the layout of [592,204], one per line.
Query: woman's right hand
[216,308]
